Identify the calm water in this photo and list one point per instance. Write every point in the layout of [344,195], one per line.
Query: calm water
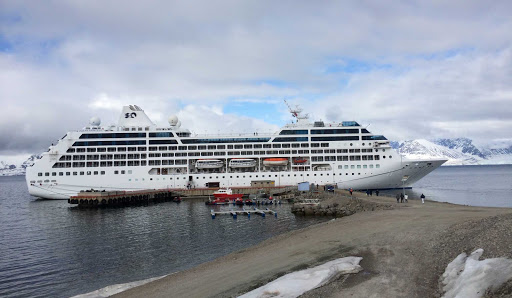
[467,185]
[49,248]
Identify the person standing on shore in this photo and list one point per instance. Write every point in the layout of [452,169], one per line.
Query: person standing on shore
[401,198]
[422,198]
[397,198]
[350,192]
[377,192]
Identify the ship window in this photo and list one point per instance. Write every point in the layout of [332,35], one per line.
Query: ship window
[267,146]
[91,149]
[102,149]
[377,166]
[70,150]
[116,172]
[315,145]
[111,149]
[80,149]
[75,173]
[102,172]
[39,174]
[371,166]
[54,174]
[82,173]
[121,149]
[95,172]
[358,166]
[365,166]
[257,146]
[390,156]
[88,172]
[122,172]
[351,144]
[276,146]
[61,174]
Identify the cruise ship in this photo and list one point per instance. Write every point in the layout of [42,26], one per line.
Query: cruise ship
[136,154]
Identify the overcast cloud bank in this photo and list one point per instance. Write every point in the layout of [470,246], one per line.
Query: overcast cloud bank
[411,70]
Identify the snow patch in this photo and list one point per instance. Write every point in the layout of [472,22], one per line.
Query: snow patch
[117,288]
[468,277]
[296,283]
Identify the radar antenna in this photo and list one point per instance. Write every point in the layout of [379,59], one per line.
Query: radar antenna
[297,111]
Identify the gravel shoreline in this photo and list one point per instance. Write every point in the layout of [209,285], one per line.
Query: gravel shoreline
[405,250]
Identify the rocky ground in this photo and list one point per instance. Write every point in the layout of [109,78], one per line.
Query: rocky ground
[405,249]
[333,204]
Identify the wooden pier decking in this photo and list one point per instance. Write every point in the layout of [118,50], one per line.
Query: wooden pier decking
[122,198]
[244,211]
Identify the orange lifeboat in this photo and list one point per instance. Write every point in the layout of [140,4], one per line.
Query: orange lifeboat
[275,161]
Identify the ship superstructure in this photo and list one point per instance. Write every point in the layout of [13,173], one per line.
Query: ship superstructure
[136,154]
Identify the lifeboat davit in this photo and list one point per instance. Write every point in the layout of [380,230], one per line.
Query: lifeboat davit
[275,161]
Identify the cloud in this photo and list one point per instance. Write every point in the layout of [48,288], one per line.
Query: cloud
[411,69]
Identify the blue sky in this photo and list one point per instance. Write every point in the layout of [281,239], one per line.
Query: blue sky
[412,69]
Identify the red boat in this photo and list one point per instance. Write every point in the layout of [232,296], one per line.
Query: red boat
[227,194]
[217,202]
[299,160]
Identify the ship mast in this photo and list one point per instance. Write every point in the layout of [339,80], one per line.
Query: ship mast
[296,112]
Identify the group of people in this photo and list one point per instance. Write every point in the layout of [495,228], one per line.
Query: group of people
[401,197]
[370,193]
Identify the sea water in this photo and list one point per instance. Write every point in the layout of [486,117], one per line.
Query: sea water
[49,248]
[488,186]
[52,249]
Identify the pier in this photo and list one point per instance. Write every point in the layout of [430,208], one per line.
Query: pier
[123,198]
[244,211]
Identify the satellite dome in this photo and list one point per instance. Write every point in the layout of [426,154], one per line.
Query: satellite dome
[178,125]
[95,121]
[173,120]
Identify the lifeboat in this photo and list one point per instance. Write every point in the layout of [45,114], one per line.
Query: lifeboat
[275,161]
[209,163]
[242,163]
[299,160]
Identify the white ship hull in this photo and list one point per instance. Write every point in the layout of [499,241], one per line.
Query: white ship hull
[387,177]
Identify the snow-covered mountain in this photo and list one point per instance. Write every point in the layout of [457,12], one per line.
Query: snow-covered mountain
[459,151]
[12,169]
